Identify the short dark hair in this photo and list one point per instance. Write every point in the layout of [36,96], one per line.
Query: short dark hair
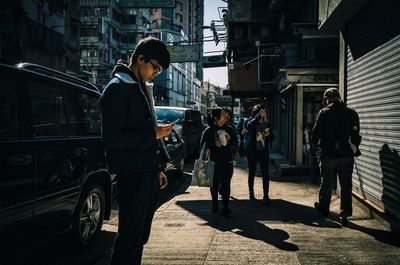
[332,94]
[214,115]
[152,49]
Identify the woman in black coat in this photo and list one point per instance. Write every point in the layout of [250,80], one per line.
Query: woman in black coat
[220,139]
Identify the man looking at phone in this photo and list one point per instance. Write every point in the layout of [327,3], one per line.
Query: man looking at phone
[130,135]
[257,136]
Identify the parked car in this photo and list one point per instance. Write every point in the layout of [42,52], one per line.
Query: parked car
[176,148]
[53,172]
[188,126]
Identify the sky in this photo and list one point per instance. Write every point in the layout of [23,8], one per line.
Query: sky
[219,75]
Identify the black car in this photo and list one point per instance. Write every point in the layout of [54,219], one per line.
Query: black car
[53,172]
[188,126]
[176,150]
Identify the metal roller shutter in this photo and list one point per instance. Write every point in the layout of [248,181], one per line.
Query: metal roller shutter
[373,90]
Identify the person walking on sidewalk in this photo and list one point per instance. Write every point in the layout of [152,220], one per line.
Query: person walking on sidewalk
[257,136]
[219,139]
[130,135]
[336,131]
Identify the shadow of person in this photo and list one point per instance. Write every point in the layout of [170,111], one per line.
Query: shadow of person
[390,166]
[380,235]
[257,221]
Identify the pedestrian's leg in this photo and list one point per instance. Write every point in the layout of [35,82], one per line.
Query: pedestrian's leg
[214,189]
[345,171]
[328,174]
[226,177]
[263,159]
[226,184]
[133,194]
[252,172]
[153,179]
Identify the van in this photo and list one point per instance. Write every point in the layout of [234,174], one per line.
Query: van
[189,126]
[53,171]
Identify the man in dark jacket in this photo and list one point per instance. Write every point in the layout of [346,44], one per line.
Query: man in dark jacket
[130,135]
[336,131]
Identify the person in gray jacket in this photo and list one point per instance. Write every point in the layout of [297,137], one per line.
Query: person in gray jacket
[131,135]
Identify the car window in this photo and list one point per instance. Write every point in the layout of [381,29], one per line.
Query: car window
[169,115]
[9,125]
[71,106]
[90,113]
[171,138]
[47,111]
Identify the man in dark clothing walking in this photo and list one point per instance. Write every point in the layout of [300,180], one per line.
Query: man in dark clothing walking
[336,131]
[130,135]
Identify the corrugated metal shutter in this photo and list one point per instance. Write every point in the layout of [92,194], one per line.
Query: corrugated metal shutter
[373,90]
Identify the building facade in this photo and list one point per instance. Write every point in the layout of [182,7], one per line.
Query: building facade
[42,32]
[109,33]
[180,84]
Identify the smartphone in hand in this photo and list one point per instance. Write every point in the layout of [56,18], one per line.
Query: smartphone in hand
[174,122]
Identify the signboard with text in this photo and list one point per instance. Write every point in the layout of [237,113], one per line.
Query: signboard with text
[214,61]
[184,53]
[148,3]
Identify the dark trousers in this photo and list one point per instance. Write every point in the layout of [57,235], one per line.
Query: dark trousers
[222,182]
[330,168]
[261,157]
[138,195]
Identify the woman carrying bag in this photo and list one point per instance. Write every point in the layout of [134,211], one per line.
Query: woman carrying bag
[219,139]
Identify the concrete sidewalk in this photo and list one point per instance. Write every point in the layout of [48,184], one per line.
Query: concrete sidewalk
[288,231]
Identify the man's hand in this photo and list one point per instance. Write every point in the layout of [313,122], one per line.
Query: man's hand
[266,132]
[163,181]
[163,130]
[244,131]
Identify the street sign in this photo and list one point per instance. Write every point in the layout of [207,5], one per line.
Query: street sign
[148,3]
[184,53]
[214,61]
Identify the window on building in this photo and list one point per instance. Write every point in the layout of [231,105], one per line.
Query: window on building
[179,6]
[179,18]
[89,31]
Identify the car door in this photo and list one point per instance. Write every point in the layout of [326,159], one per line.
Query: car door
[16,153]
[57,174]
[175,149]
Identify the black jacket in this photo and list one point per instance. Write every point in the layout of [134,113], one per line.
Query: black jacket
[223,154]
[335,126]
[128,126]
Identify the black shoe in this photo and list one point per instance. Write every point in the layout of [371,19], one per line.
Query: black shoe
[343,221]
[225,210]
[252,198]
[214,207]
[266,200]
[318,207]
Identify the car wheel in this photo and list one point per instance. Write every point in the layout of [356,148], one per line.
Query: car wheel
[89,215]
[181,167]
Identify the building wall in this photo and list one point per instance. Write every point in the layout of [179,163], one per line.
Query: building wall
[31,31]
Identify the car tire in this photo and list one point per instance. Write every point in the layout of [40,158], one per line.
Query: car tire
[88,215]
[181,167]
